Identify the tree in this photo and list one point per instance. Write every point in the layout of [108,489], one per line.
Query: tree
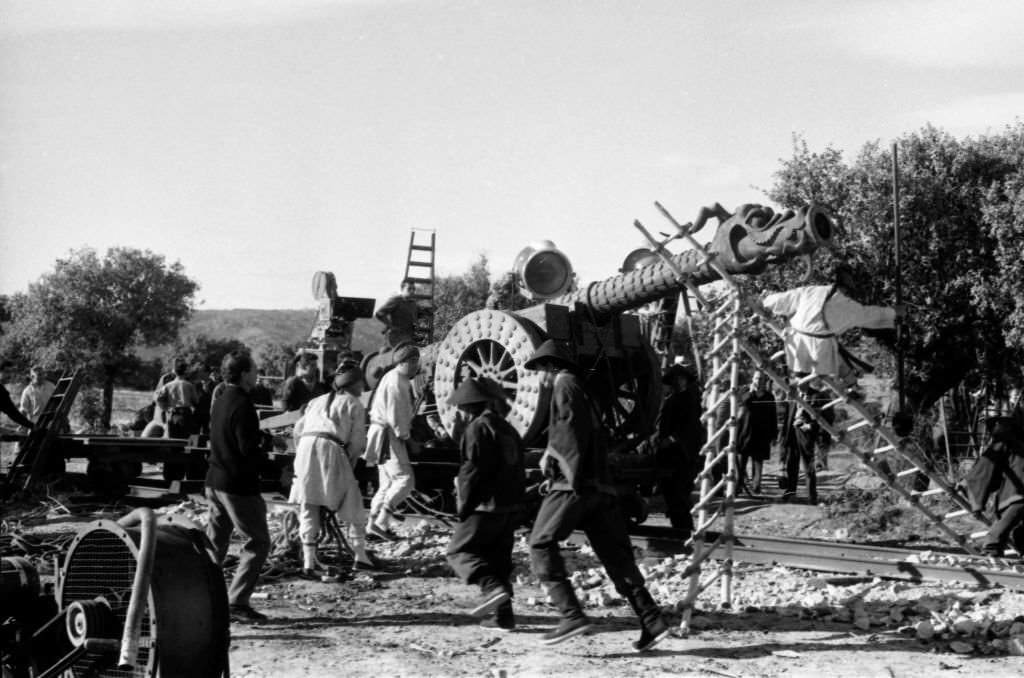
[456,296]
[962,230]
[200,350]
[505,293]
[93,313]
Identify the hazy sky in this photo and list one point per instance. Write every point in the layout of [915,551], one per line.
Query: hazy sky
[258,141]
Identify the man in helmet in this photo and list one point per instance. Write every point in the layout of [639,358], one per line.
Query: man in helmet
[581,496]
[490,491]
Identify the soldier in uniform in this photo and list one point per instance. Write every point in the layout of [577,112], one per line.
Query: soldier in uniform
[490,491]
[580,496]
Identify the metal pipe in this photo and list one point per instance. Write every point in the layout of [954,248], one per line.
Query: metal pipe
[140,587]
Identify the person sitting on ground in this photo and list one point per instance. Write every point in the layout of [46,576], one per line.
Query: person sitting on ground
[330,435]
[490,491]
[581,496]
[999,473]
[399,315]
[681,437]
[233,483]
[755,431]
[35,396]
[182,399]
[391,415]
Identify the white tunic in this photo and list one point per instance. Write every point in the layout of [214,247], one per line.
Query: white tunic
[391,417]
[809,313]
[323,468]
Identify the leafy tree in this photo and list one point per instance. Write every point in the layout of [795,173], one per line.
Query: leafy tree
[455,296]
[505,294]
[273,357]
[94,312]
[962,230]
[199,350]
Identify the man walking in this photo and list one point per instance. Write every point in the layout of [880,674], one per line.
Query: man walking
[581,497]
[391,414]
[490,492]
[233,482]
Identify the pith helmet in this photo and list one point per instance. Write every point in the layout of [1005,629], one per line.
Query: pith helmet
[471,391]
[550,351]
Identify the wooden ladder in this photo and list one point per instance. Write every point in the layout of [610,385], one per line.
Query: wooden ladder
[419,268]
[35,450]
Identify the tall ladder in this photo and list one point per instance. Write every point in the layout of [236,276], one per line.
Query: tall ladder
[419,268]
[35,450]
[729,311]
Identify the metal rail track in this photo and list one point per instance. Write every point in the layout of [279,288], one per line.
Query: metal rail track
[857,559]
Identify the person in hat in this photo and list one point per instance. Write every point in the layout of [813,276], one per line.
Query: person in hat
[489,493]
[580,496]
[817,315]
[391,414]
[999,473]
[399,315]
[681,436]
[329,436]
[298,389]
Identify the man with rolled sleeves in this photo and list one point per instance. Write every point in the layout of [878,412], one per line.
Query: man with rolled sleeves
[233,482]
[490,491]
[581,496]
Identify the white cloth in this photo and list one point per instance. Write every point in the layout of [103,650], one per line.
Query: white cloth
[33,399]
[323,468]
[807,311]
[390,416]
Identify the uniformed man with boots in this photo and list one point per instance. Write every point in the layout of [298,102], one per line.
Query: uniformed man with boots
[801,436]
[580,496]
[490,492]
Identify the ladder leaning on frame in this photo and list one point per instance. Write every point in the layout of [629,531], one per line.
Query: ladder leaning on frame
[729,347]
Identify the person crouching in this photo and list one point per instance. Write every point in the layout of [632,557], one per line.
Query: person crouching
[328,438]
[489,500]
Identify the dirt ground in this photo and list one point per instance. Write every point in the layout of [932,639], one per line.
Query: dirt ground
[412,619]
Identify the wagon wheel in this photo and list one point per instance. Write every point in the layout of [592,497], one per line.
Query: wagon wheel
[493,344]
[629,399]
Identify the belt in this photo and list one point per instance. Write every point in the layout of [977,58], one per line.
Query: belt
[326,436]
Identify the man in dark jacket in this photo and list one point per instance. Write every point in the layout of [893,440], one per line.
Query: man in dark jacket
[581,496]
[233,482]
[489,496]
[756,430]
[999,472]
[681,437]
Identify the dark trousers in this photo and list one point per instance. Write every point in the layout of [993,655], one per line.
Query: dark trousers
[676,488]
[600,518]
[800,447]
[1008,528]
[248,515]
[480,551]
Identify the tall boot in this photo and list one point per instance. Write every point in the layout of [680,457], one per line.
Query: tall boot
[812,486]
[574,622]
[653,627]
[309,556]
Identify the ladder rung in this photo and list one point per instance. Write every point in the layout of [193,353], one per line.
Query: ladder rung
[422,248]
[928,493]
[778,355]
[833,403]
[421,280]
[858,424]
[908,472]
[979,534]
[884,449]
[806,380]
[956,514]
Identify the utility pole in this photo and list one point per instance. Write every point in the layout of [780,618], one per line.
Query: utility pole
[899,275]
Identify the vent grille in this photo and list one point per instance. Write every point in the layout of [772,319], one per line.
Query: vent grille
[101,564]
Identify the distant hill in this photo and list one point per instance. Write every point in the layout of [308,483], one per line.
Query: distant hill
[255,327]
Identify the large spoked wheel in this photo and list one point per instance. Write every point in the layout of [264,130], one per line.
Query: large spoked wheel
[629,397]
[493,344]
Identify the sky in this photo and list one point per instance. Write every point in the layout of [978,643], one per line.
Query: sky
[259,141]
